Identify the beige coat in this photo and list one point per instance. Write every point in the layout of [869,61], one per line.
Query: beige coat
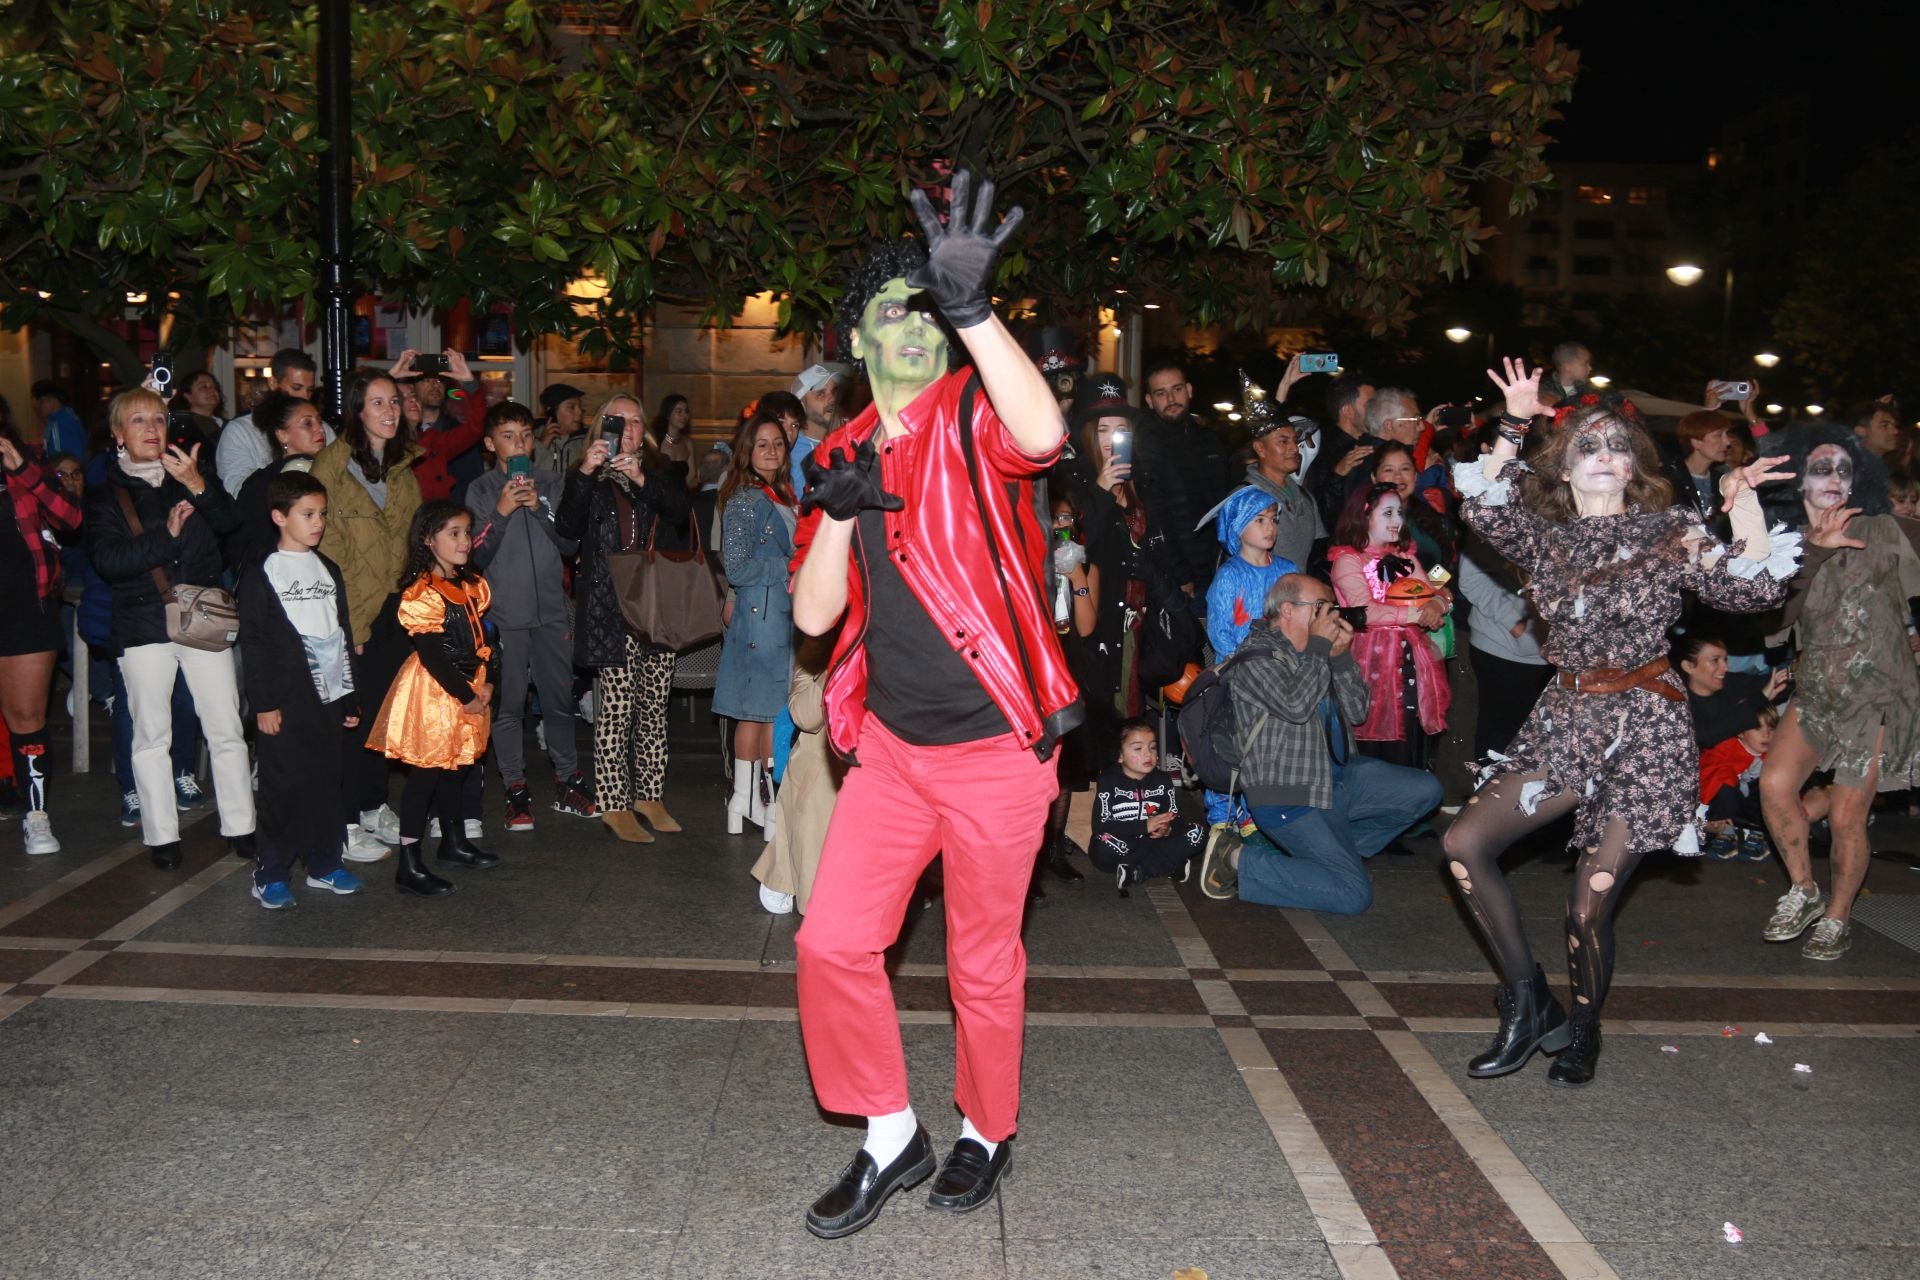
[367,541]
[808,789]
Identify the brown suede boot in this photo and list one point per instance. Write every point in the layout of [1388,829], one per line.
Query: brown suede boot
[656,814]
[627,827]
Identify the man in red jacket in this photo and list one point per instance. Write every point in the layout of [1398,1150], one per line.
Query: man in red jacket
[947,690]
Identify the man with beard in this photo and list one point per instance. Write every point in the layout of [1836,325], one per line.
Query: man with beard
[1180,470]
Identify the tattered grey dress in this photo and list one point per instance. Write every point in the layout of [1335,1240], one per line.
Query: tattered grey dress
[1856,671]
[1608,588]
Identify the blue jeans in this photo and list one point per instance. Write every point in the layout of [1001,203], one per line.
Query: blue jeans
[1372,803]
[186,730]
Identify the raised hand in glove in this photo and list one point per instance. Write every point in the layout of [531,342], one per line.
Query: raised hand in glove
[848,484]
[960,255]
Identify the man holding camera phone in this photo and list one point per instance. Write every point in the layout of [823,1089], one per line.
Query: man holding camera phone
[1296,693]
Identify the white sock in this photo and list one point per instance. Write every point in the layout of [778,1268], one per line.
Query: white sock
[968,1131]
[888,1136]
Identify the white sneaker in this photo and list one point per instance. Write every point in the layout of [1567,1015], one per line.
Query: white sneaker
[776,903]
[382,824]
[39,833]
[474,828]
[362,845]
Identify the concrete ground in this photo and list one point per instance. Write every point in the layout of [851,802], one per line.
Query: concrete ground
[587,1063]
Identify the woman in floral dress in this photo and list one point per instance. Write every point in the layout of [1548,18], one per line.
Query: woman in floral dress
[1856,696]
[1609,741]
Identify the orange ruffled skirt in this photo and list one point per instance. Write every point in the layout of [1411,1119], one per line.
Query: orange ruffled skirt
[420,724]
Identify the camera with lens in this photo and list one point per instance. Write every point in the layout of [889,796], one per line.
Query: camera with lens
[1354,615]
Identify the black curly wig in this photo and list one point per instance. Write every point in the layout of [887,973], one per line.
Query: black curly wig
[1782,501]
[886,260]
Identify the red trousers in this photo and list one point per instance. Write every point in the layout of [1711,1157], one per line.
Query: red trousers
[983,807]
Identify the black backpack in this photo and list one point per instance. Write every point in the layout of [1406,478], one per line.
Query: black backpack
[1209,732]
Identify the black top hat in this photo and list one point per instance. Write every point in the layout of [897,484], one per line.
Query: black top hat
[1102,395]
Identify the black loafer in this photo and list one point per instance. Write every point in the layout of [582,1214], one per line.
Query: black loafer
[862,1191]
[970,1176]
[165,856]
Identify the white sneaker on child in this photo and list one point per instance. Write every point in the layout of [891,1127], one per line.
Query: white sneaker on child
[382,824]
[362,845]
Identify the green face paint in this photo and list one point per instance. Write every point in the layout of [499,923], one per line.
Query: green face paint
[905,349]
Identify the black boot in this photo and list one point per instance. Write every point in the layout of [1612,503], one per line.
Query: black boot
[1576,1066]
[410,876]
[1057,861]
[165,856]
[1530,1018]
[459,851]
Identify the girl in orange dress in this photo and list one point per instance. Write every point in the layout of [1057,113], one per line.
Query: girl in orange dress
[436,714]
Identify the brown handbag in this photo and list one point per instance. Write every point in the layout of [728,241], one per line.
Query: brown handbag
[197,617]
[673,599]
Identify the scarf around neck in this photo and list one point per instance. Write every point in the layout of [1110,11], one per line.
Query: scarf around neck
[152,472]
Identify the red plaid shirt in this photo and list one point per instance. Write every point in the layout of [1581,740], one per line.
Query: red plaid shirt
[41,506]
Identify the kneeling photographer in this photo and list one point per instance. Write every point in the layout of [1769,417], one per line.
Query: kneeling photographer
[1324,806]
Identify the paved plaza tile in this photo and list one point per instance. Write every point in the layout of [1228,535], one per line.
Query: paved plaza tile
[587,1063]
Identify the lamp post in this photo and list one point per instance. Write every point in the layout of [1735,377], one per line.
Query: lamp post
[1688,274]
[336,191]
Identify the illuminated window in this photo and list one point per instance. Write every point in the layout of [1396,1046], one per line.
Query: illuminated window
[1594,195]
[1646,195]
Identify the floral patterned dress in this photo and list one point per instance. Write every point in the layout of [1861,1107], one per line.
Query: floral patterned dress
[1608,588]
[1856,672]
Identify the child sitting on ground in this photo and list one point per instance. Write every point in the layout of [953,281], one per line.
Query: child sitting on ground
[1137,829]
[1730,789]
[293,611]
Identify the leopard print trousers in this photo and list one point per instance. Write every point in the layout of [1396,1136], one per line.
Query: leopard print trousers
[630,731]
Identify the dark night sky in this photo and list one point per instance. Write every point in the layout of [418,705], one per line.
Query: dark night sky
[1657,77]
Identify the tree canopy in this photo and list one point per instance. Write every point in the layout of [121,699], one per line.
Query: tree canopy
[1233,157]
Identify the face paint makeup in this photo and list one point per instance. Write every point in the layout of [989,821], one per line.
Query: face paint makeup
[1600,459]
[1828,478]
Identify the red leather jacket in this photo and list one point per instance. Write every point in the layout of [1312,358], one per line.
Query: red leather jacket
[970,548]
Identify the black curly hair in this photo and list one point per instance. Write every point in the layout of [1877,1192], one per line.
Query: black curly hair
[1782,501]
[886,260]
[429,520]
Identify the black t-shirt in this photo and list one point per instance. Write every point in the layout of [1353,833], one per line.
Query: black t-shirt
[918,686]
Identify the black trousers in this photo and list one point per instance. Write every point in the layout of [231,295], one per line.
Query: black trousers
[301,777]
[374,668]
[1508,691]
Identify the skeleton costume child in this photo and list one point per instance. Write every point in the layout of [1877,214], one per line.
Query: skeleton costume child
[1610,740]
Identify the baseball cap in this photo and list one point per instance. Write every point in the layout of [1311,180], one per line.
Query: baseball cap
[810,379]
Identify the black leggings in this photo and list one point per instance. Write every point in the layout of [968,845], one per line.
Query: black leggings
[452,794]
[1493,820]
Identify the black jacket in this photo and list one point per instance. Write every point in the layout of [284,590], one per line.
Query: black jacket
[590,515]
[1180,471]
[1735,709]
[125,560]
[276,672]
[257,535]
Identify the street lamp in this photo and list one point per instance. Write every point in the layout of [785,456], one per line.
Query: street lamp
[1685,274]
[1456,334]
[1776,410]
[1816,410]
[1766,359]
[1601,381]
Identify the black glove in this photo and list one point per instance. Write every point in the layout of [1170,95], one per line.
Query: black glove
[848,484]
[960,255]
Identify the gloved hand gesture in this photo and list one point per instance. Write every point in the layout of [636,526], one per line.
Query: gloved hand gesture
[960,256]
[1068,556]
[847,484]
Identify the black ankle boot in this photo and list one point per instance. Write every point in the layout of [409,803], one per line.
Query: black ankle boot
[1057,863]
[410,876]
[1530,1018]
[1577,1065]
[456,849]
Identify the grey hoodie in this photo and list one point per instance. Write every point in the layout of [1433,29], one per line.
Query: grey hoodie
[522,555]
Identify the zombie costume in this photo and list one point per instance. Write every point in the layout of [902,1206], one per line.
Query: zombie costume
[1608,587]
[1856,671]
[1609,741]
